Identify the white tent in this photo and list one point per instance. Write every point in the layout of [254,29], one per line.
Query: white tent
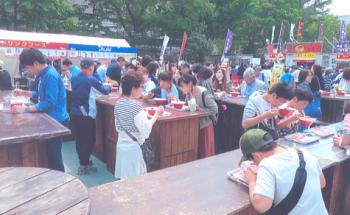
[62,38]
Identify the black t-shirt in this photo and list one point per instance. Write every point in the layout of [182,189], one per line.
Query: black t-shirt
[114,72]
[5,80]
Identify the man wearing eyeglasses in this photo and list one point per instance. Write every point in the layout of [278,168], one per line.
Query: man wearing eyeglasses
[48,95]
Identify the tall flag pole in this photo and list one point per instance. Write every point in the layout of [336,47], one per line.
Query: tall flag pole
[291,33]
[321,32]
[273,34]
[183,44]
[280,38]
[228,43]
[300,28]
[165,44]
[342,34]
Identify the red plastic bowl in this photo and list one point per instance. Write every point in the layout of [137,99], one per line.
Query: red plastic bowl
[178,105]
[234,94]
[160,101]
[305,122]
[341,93]
[325,93]
[285,112]
[151,111]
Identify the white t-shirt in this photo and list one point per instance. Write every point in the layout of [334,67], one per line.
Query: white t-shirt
[148,86]
[275,179]
[296,75]
[267,76]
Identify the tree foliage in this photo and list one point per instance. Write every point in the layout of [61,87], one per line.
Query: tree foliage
[144,22]
[32,15]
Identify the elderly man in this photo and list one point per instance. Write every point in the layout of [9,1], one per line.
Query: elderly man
[250,83]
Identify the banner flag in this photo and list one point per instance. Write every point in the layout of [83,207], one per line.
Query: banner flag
[165,44]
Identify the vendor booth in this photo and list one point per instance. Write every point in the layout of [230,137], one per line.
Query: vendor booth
[60,46]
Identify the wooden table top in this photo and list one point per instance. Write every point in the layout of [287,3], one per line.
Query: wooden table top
[16,128]
[333,97]
[324,149]
[241,101]
[199,187]
[112,98]
[28,190]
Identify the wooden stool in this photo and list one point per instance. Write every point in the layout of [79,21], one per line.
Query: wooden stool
[26,190]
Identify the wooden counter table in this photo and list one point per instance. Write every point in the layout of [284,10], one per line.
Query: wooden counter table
[202,187]
[229,128]
[28,190]
[21,137]
[332,108]
[174,138]
[199,187]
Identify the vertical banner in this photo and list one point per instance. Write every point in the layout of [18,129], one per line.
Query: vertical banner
[291,33]
[183,44]
[273,34]
[280,38]
[228,43]
[300,28]
[342,34]
[321,32]
[165,44]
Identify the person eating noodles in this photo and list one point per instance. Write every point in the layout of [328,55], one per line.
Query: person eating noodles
[204,100]
[260,110]
[292,111]
[342,139]
[166,90]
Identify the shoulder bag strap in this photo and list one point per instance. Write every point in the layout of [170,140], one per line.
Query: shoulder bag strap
[127,132]
[291,200]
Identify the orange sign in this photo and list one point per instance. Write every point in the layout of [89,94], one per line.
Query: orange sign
[343,57]
[32,44]
[304,48]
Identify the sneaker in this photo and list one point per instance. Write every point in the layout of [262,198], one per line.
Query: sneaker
[83,170]
[91,167]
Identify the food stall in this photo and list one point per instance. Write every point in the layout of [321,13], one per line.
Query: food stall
[305,54]
[60,46]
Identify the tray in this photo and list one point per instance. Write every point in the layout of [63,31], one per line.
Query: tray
[237,176]
[301,138]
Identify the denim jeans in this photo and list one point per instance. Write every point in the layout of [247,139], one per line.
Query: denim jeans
[54,152]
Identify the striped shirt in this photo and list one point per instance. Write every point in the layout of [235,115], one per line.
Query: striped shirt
[124,112]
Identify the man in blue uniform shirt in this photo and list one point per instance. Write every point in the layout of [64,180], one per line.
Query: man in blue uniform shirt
[48,95]
[83,113]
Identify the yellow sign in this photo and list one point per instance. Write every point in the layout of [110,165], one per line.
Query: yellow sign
[306,55]
[276,73]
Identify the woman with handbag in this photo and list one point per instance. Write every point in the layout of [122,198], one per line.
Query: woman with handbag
[133,127]
[204,100]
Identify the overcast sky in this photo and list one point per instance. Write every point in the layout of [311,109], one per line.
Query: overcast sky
[340,7]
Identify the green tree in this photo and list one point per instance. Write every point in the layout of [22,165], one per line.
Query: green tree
[31,15]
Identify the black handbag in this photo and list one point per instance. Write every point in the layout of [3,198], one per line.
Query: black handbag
[213,118]
[147,149]
[291,200]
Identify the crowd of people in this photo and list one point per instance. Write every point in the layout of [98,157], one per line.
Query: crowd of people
[143,79]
